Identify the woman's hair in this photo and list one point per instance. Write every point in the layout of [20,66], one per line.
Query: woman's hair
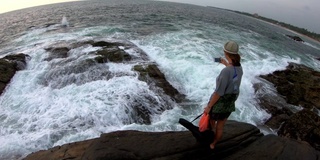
[235,59]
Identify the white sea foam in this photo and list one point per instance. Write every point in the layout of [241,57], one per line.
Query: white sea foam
[313,46]
[41,109]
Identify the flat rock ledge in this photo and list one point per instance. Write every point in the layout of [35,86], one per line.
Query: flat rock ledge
[240,141]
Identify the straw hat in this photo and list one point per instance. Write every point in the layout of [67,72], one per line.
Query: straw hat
[231,47]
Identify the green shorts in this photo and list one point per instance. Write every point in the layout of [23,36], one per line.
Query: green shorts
[219,116]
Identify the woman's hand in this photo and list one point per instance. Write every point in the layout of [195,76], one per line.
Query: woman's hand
[224,61]
[207,110]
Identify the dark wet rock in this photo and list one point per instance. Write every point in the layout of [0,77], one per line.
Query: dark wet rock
[7,71]
[8,67]
[152,74]
[106,44]
[115,51]
[111,51]
[67,72]
[274,104]
[240,141]
[303,126]
[143,115]
[274,147]
[57,52]
[114,54]
[49,24]
[19,60]
[299,84]
[296,38]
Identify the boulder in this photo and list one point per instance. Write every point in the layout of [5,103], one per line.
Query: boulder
[114,54]
[240,141]
[296,38]
[151,74]
[299,84]
[8,67]
[57,52]
[274,104]
[19,60]
[110,50]
[106,44]
[304,126]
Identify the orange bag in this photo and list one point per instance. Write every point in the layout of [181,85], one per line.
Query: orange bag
[204,122]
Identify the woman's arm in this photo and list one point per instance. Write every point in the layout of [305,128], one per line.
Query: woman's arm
[212,101]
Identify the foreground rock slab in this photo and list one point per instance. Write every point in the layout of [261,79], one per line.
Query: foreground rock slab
[240,141]
[273,147]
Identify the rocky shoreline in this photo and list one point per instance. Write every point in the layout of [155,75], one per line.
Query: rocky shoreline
[298,128]
[298,85]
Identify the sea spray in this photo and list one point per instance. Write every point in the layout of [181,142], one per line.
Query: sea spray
[64,22]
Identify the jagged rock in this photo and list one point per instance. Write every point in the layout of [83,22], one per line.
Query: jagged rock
[19,60]
[7,71]
[296,38]
[111,51]
[296,86]
[274,104]
[152,74]
[106,44]
[57,52]
[114,54]
[59,75]
[305,126]
[299,84]
[240,141]
[8,67]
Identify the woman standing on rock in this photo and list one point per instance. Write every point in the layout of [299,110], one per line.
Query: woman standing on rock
[222,101]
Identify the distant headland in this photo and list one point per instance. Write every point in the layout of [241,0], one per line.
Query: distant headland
[302,31]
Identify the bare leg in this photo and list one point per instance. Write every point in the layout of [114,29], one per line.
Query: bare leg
[213,125]
[219,131]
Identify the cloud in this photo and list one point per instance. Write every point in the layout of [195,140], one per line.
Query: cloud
[307,8]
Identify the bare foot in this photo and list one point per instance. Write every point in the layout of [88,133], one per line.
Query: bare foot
[211,146]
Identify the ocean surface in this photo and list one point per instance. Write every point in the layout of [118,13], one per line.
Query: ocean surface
[47,105]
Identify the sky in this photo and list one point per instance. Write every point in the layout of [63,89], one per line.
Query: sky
[11,5]
[300,13]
